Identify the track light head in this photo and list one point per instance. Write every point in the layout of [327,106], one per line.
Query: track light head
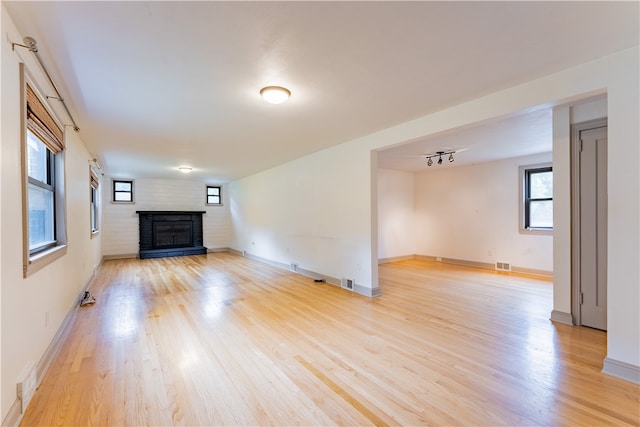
[440,159]
[451,158]
[429,162]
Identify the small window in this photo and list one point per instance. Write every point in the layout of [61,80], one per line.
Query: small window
[214,195]
[538,198]
[122,191]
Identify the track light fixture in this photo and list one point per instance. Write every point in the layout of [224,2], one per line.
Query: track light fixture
[439,155]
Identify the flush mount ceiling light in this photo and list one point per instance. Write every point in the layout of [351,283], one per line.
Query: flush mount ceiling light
[439,155]
[275,94]
[185,169]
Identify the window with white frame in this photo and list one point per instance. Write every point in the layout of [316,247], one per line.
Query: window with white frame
[537,200]
[44,203]
[214,195]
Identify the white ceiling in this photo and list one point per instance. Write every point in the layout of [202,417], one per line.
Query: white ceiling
[518,135]
[156,85]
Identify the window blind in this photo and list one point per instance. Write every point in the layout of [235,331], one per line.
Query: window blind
[94,180]
[42,123]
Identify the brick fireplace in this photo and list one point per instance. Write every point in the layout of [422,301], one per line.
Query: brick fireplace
[170,233]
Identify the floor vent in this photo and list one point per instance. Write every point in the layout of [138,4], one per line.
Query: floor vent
[27,387]
[347,284]
[294,266]
[503,266]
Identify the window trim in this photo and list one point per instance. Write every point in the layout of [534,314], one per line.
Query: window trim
[206,195]
[113,191]
[35,261]
[524,171]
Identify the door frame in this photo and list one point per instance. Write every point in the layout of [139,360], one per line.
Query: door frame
[576,129]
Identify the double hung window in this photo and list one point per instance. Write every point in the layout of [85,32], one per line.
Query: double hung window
[122,191]
[41,194]
[214,195]
[94,202]
[44,203]
[538,198]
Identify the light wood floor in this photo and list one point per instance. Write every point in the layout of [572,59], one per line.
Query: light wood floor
[219,339]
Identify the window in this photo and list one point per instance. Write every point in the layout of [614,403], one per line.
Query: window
[122,191]
[214,195]
[538,197]
[43,168]
[41,194]
[94,202]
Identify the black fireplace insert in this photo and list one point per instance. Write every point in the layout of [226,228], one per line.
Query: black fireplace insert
[170,233]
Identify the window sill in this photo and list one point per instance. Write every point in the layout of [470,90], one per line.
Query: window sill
[537,231]
[214,204]
[42,259]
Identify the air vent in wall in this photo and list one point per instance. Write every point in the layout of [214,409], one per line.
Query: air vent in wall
[27,387]
[347,284]
[294,266]
[503,266]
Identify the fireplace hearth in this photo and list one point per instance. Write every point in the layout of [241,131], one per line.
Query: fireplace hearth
[170,233]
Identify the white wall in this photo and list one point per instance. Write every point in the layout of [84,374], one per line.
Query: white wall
[33,309]
[396,214]
[2,27]
[321,206]
[472,212]
[315,211]
[562,211]
[120,221]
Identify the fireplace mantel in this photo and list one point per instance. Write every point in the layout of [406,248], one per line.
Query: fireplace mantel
[169,212]
[170,233]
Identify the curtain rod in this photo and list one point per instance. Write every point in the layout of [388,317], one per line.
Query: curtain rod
[32,45]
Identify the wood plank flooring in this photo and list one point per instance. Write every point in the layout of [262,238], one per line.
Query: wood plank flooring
[220,339]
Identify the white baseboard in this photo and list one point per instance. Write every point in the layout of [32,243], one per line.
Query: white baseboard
[396,258]
[622,370]
[426,257]
[213,250]
[119,256]
[358,289]
[467,263]
[532,272]
[14,416]
[561,317]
